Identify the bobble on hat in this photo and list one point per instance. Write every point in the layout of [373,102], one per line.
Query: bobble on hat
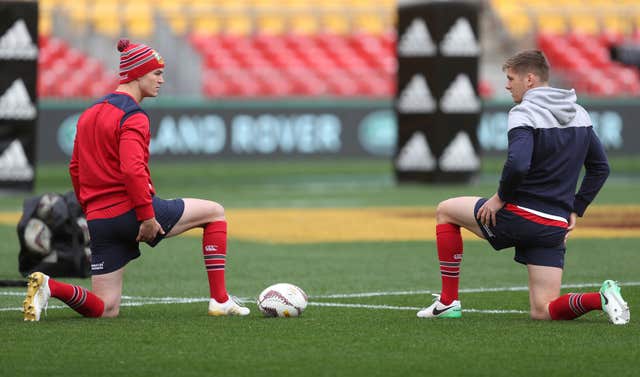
[123,44]
[136,60]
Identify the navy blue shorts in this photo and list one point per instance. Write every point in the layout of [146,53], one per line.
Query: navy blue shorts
[535,243]
[113,240]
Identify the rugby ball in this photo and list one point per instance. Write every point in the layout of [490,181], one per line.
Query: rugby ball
[37,237]
[46,204]
[282,300]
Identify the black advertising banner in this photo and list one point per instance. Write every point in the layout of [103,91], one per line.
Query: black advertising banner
[243,130]
[18,101]
[311,129]
[436,104]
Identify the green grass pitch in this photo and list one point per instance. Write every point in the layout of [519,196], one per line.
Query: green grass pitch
[363,295]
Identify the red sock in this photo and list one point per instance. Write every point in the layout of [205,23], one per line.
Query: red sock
[78,298]
[214,248]
[573,305]
[449,243]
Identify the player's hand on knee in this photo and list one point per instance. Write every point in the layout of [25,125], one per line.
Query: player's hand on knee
[149,230]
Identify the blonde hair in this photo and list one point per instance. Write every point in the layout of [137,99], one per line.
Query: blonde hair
[529,61]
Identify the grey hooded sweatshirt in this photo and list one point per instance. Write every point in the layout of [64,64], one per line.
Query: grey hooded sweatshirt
[550,139]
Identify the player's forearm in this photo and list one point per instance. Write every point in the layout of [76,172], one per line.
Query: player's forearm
[589,188]
[596,173]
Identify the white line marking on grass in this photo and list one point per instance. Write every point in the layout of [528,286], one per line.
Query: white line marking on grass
[366,294]
[412,308]
[467,290]
[166,300]
[20,308]
[141,301]
[495,311]
[362,306]
[13,293]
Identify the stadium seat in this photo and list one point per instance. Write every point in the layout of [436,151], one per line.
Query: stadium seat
[616,23]
[584,23]
[290,64]
[585,63]
[247,47]
[335,23]
[303,23]
[83,76]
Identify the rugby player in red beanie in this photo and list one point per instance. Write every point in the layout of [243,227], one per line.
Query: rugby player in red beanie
[110,174]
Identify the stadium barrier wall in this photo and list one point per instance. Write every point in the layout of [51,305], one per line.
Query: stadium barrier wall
[200,129]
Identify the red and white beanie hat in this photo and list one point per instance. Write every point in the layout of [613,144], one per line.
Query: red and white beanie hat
[136,60]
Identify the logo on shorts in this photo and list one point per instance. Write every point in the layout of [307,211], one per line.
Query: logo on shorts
[97,266]
[488,230]
[457,256]
[210,248]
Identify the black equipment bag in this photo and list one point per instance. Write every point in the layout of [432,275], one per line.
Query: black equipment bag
[54,236]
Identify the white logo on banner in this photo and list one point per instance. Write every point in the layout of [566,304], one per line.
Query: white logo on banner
[416,155]
[14,165]
[459,155]
[16,104]
[16,43]
[460,97]
[416,40]
[416,97]
[460,40]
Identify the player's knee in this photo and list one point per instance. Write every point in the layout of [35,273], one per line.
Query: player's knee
[216,211]
[442,212]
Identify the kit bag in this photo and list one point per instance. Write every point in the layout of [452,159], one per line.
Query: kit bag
[54,236]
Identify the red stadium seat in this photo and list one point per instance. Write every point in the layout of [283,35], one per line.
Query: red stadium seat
[292,64]
[586,63]
[67,72]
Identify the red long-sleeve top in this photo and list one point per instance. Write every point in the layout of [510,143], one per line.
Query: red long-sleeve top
[109,166]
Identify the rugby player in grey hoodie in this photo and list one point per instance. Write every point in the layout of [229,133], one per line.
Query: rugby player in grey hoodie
[535,208]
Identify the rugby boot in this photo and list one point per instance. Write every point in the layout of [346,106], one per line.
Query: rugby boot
[440,310]
[38,294]
[613,304]
[228,308]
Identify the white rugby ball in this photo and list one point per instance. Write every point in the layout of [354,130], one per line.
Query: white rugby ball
[37,236]
[46,205]
[282,300]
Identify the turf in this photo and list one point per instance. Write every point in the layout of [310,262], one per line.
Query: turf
[375,335]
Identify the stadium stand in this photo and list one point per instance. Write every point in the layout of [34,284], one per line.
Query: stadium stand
[293,64]
[267,48]
[586,64]
[66,72]
[248,48]
[577,37]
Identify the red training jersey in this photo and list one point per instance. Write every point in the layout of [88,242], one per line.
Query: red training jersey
[110,162]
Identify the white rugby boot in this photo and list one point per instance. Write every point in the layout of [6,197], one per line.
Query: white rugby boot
[613,304]
[228,308]
[38,294]
[440,310]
